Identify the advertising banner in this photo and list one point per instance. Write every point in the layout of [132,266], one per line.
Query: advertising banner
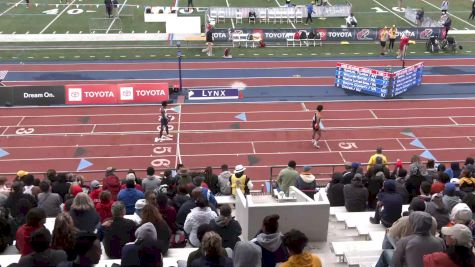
[116,93]
[213,93]
[327,34]
[38,95]
[6,96]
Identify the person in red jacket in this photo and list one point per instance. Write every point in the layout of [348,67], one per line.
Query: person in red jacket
[95,191]
[104,207]
[403,46]
[35,219]
[111,182]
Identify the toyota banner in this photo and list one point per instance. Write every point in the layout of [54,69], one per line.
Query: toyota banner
[327,34]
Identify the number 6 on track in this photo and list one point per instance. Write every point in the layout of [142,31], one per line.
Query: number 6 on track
[24,131]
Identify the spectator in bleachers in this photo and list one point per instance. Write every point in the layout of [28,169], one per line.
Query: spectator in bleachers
[201,214]
[462,214]
[145,237]
[348,173]
[111,182]
[137,217]
[198,253]
[35,219]
[168,212]
[287,177]
[425,193]
[227,227]
[151,182]
[400,175]
[439,185]
[184,178]
[181,197]
[49,202]
[84,214]
[413,183]
[454,171]
[379,153]
[64,235]
[13,200]
[469,199]
[450,199]
[130,176]
[88,250]
[438,210]
[28,181]
[459,243]
[95,191]
[117,231]
[270,241]
[375,183]
[355,194]
[6,237]
[224,180]
[211,180]
[430,167]
[51,176]
[240,180]
[247,254]
[170,183]
[130,195]
[4,190]
[198,182]
[42,254]
[295,241]
[467,182]
[306,182]
[410,249]
[151,214]
[103,208]
[335,190]
[389,207]
[213,252]
[186,207]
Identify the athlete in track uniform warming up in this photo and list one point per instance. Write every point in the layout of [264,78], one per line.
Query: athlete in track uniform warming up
[317,118]
[164,118]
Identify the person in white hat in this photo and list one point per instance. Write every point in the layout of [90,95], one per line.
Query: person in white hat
[240,180]
[458,239]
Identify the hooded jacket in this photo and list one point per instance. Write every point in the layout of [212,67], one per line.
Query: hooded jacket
[273,250]
[228,228]
[145,234]
[306,181]
[23,238]
[194,219]
[355,195]
[247,254]
[392,203]
[437,209]
[410,249]
[304,259]
[224,183]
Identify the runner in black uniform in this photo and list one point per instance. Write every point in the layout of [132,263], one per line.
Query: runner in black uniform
[164,118]
[317,118]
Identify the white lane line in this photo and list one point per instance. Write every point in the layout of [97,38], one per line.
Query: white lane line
[115,17]
[57,17]
[329,148]
[374,114]
[400,143]
[21,120]
[4,131]
[394,13]
[253,148]
[341,155]
[93,128]
[10,8]
[453,121]
[451,14]
[304,107]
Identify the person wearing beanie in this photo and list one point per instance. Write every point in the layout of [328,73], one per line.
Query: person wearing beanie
[247,254]
[287,177]
[145,240]
[458,239]
[227,227]
[137,217]
[410,249]
[130,176]
[462,214]
[306,182]
[389,207]
[95,191]
[270,242]
[295,241]
[355,194]
[449,198]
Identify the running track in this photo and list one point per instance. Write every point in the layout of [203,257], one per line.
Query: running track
[125,137]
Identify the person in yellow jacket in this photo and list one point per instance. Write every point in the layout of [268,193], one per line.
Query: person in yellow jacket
[379,153]
[467,182]
[392,37]
[295,241]
[240,180]
[383,37]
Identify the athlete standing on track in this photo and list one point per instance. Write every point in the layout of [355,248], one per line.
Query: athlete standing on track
[317,119]
[164,118]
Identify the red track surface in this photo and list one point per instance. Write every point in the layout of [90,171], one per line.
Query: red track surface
[124,137]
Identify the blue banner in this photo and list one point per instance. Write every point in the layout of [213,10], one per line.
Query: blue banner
[213,93]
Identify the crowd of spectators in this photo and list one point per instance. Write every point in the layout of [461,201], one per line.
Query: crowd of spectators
[138,220]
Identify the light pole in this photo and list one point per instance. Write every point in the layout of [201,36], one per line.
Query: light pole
[179,55]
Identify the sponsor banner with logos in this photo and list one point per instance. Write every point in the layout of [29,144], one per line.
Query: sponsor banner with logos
[38,95]
[116,93]
[213,93]
[6,96]
[327,34]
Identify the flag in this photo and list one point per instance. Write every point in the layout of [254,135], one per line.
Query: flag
[3,74]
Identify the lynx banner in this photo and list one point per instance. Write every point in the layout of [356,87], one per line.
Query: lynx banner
[327,34]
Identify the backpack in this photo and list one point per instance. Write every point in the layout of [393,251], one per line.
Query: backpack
[311,35]
[303,35]
[297,36]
